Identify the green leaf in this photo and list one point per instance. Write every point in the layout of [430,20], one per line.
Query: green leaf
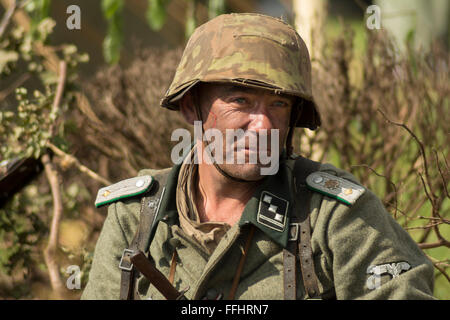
[191,22]
[45,28]
[38,12]
[410,37]
[44,8]
[190,26]
[112,9]
[6,57]
[156,14]
[215,8]
[410,41]
[48,77]
[111,46]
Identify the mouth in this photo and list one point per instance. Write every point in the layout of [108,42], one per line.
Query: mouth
[250,150]
[247,149]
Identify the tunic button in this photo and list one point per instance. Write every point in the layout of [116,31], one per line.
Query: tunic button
[140,183]
[213,294]
[318,180]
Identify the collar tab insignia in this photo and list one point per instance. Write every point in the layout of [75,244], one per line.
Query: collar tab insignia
[272,211]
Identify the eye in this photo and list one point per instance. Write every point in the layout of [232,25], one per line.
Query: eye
[280,104]
[240,100]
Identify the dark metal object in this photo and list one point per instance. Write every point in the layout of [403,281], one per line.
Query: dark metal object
[16,174]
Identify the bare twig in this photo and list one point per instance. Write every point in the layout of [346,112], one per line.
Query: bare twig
[434,212]
[74,161]
[85,107]
[59,92]
[442,220]
[444,182]
[6,92]
[442,272]
[52,246]
[421,147]
[7,18]
[441,242]
[444,263]
[360,131]
[53,179]
[390,182]
[437,264]
[428,226]
[427,185]
[445,162]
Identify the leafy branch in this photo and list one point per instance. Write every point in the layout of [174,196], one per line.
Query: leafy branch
[30,124]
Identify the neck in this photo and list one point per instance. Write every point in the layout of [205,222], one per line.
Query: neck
[219,198]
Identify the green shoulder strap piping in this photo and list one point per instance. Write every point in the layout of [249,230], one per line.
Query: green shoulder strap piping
[335,187]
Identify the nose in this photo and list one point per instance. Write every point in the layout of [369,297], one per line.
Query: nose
[260,118]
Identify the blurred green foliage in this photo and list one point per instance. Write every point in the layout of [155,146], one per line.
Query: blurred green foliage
[112,11]
[28,121]
[22,228]
[156,15]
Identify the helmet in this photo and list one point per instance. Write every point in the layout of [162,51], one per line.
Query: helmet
[251,50]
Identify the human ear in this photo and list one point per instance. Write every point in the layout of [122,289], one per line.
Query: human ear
[187,108]
[296,112]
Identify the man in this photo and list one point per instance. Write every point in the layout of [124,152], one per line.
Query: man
[219,229]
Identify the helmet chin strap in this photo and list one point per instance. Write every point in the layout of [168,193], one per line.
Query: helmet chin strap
[295,115]
[221,171]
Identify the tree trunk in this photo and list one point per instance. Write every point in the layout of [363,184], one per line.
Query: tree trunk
[310,17]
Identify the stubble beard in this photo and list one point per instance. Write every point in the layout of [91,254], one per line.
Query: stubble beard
[247,172]
[250,172]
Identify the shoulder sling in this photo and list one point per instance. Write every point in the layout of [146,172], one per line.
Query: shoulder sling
[299,244]
[149,208]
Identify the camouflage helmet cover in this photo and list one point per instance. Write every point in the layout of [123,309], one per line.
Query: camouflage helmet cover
[251,50]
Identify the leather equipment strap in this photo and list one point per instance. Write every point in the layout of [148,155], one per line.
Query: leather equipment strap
[173,266]
[290,268]
[156,277]
[128,273]
[240,267]
[299,244]
[306,260]
[149,207]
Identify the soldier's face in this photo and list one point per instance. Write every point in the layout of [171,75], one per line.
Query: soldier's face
[257,112]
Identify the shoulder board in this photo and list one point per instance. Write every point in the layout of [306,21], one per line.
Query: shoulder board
[335,187]
[124,189]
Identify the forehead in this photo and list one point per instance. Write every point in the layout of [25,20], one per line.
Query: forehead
[218,90]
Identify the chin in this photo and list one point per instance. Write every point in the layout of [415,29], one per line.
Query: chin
[249,172]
